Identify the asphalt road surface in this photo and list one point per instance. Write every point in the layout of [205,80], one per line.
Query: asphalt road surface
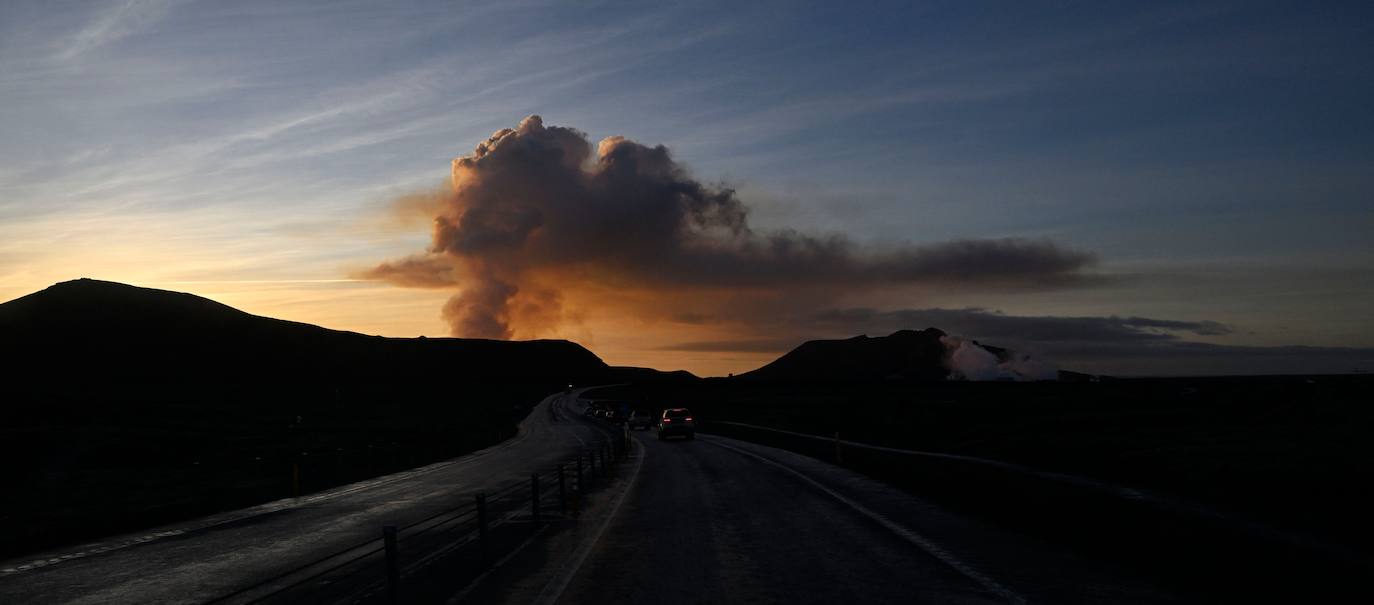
[716,520]
[209,558]
[683,521]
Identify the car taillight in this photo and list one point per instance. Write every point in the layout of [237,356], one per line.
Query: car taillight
[667,420]
[688,419]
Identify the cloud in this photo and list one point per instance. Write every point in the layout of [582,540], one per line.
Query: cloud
[1125,346]
[1184,358]
[118,21]
[982,323]
[1109,345]
[416,272]
[534,215]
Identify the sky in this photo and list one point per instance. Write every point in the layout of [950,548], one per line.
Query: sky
[1126,188]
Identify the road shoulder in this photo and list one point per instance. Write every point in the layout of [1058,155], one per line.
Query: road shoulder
[1022,566]
[542,568]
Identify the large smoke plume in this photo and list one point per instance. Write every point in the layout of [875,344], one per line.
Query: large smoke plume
[533,214]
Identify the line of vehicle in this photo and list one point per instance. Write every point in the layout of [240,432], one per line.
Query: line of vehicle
[925,544]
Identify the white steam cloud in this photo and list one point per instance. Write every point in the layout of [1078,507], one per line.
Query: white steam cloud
[970,361]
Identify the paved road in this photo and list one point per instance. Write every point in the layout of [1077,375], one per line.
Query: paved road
[200,560]
[706,520]
[724,521]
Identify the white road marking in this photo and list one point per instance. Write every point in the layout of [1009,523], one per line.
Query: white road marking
[559,583]
[918,540]
[84,553]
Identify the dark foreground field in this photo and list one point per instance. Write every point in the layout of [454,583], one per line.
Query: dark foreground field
[1291,453]
[80,466]
[125,407]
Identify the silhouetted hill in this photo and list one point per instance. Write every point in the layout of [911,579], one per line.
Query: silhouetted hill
[620,374]
[88,329]
[903,355]
[127,407]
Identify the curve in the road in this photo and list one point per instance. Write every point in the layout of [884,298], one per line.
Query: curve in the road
[935,550]
[721,520]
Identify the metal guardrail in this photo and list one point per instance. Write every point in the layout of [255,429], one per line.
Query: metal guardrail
[1075,480]
[989,477]
[543,497]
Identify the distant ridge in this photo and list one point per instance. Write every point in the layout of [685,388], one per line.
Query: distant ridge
[128,407]
[902,355]
[90,329]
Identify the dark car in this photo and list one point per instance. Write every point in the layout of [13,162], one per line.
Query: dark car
[677,422]
[641,420]
[616,416]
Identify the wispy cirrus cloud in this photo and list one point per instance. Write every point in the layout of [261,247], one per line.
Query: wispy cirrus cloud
[984,323]
[259,139]
[118,20]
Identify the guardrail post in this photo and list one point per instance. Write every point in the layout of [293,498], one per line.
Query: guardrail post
[393,565]
[577,497]
[562,492]
[482,529]
[534,496]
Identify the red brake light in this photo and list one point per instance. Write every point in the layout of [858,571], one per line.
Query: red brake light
[667,419]
[688,419]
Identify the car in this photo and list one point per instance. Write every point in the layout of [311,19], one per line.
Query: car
[600,414]
[640,419]
[616,416]
[677,421]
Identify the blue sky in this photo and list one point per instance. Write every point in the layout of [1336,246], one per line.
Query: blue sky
[1216,156]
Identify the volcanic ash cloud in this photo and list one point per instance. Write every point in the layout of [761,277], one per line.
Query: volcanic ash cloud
[533,211]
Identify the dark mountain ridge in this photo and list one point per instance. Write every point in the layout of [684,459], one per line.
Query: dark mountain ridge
[127,407]
[902,355]
[96,330]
